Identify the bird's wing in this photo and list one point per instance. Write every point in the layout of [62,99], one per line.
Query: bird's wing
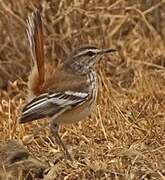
[51,104]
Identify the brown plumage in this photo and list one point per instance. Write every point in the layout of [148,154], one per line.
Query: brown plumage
[65,94]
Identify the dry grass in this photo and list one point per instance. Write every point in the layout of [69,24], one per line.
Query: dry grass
[125,136]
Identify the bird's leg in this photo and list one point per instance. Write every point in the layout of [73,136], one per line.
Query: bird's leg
[54,130]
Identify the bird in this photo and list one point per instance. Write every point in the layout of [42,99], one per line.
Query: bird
[64,94]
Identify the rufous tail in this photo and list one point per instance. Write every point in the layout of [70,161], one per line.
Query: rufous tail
[36,40]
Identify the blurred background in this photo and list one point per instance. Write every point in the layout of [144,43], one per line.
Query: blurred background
[136,28]
[125,136]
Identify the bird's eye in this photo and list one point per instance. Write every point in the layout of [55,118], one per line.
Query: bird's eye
[91,53]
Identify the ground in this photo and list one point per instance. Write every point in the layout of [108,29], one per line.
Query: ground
[124,137]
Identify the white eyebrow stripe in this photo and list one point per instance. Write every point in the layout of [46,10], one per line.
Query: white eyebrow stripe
[87,50]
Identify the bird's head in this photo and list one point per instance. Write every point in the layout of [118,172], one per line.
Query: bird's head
[84,57]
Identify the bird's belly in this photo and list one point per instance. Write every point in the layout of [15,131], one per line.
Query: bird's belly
[75,115]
